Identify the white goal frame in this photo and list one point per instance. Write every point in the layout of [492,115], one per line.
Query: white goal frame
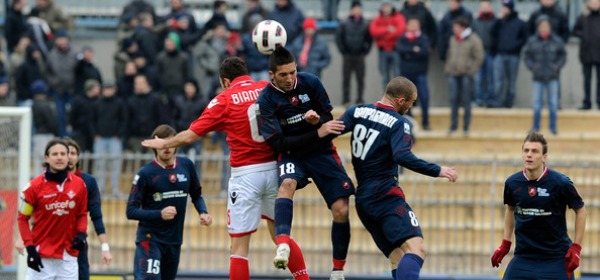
[25,123]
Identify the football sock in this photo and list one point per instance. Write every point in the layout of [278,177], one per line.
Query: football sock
[394,274]
[296,264]
[340,238]
[284,211]
[238,268]
[409,267]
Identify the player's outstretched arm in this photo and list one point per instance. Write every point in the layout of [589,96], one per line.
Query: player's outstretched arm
[333,127]
[181,139]
[448,172]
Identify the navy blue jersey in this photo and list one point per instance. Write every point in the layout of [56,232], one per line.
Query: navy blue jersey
[156,187]
[540,206]
[281,119]
[381,140]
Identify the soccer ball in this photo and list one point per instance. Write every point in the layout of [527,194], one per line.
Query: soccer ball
[267,35]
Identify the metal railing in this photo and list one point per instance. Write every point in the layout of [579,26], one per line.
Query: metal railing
[462,222]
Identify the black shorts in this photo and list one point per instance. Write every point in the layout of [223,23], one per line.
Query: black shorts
[325,169]
[536,269]
[155,261]
[389,219]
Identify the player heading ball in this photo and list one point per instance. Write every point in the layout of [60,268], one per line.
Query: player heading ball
[295,116]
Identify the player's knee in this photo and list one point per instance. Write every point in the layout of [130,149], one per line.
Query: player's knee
[416,246]
[422,252]
[340,210]
[240,246]
[287,188]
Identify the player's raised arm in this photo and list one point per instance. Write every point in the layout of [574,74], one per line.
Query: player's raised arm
[183,138]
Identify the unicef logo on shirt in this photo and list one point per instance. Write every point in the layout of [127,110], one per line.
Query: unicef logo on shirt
[71,204]
[157,196]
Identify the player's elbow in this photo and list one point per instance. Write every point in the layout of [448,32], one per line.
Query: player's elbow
[130,213]
[277,145]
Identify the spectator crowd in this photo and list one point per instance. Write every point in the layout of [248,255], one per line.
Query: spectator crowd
[166,66]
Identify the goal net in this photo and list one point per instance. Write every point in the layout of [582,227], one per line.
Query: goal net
[15,167]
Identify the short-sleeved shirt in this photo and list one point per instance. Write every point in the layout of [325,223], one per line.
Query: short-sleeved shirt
[540,207]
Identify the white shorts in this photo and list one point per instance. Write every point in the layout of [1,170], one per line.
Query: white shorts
[252,193]
[65,269]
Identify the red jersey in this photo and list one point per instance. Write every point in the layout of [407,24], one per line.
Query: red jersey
[234,112]
[59,213]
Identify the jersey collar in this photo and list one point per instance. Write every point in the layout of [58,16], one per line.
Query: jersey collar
[240,80]
[172,166]
[385,106]
[544,173]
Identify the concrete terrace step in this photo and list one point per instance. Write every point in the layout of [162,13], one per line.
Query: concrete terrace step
[491,143]
[499,133]
[507,120]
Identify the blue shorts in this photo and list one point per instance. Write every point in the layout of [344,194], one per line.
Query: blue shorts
[536,269]
[155,261]
[325,169]
[389,219]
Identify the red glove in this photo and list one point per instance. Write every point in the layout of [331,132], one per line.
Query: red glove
[501,252]
[573,257]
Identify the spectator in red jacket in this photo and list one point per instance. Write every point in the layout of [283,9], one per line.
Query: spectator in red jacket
[385,29]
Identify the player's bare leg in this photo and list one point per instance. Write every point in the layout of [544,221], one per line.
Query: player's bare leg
[394,258]
[239,268]
[410,265]
[284,210]
[296,263]
[340,236]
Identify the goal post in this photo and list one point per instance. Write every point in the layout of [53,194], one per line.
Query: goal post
[15,145]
